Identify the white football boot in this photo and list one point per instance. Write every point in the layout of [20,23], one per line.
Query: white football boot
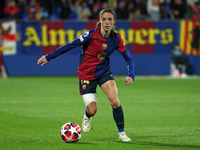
[86,123]
[124,137]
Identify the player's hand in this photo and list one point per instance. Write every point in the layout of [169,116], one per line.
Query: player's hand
[42,60]
[128,80]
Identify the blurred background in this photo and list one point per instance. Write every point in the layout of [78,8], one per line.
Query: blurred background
[162,35]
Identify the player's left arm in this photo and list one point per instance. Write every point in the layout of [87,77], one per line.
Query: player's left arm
[130,66]
[129,61]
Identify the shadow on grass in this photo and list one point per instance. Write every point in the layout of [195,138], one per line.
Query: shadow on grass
[164,144]
[157,144]
[80,143]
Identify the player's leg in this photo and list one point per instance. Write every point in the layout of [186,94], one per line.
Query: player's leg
[88,91]
[1,74]
[110,89]
[90,101]
[90,110]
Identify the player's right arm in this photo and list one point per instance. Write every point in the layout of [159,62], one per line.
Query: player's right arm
[65,48]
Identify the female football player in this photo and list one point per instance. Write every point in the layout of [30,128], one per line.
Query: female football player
[94,68]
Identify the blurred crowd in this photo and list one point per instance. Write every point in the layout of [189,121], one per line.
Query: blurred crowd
[84,10]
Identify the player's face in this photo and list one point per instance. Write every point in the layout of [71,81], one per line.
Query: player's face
[107,21]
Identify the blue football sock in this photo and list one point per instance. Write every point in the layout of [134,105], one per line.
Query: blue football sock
[118,116]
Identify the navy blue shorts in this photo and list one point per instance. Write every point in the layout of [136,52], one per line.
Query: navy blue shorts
[90,86]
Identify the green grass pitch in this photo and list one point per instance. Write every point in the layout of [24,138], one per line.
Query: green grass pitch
[160,113]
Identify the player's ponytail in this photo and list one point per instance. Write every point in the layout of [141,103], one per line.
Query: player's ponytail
[98,24]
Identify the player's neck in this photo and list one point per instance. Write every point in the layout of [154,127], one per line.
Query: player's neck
[105,33]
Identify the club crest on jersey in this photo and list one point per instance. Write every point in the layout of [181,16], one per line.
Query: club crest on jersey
[84,86]
[101,56]
[104,46]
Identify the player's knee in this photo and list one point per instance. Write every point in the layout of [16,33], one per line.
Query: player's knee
[115,103]
[91,103]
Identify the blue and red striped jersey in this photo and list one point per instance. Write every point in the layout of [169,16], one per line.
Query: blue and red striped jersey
[95,56]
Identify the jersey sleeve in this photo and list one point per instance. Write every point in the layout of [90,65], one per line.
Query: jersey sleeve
[121,45]
[84,38]
[130,63]
[127,56]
